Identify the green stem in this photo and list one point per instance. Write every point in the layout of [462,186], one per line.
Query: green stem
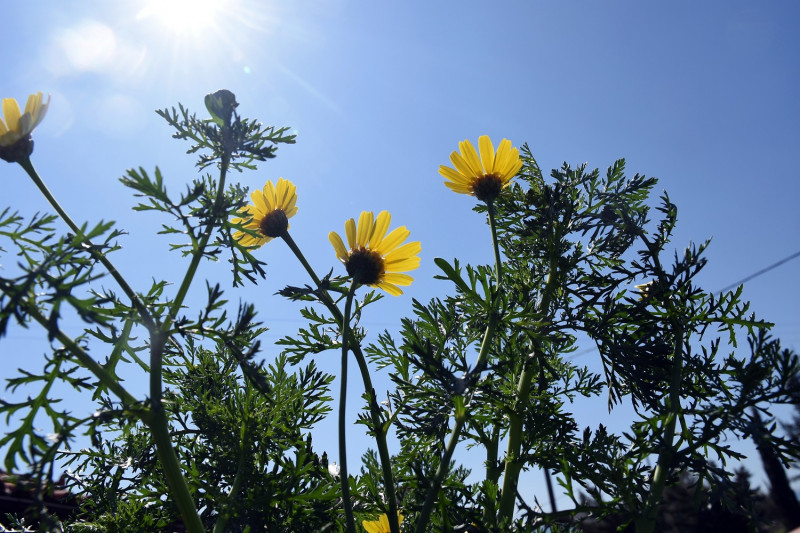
[483,354]
[455,433]
[513,463]
[492,474]
[498,264]
[647,522]
[156,418]
[222,522]
[201,247]
[166,453]
[241,469]
[137,303]
[89,363]
[160,428]
[345,479]
[374,409]
[517,416]
[381,431]
[300,257]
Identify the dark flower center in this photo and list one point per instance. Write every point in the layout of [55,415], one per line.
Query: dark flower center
[274,223]
[365,266]
[487,187]
[19,151]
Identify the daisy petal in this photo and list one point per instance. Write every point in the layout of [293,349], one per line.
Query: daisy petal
[461,189]
[381,227]
[398,279]
[394,290]
[338,246]
[41,111]
[258,201]
[33,103]
[487,153]
[409,249]
[11,113]
[25,124]
[454,175]
[269,196]
[350,230]
[405,264]
[511,164]
[365,227]
[471,157]
[391,241]
[513,168]
[502,156]
[462,167]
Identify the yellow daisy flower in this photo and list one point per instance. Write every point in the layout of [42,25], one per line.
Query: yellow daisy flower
[381,525]
[374,258]
[485,176]
[19,125]
[269,213]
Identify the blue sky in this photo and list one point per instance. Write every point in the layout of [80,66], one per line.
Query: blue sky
[702,95]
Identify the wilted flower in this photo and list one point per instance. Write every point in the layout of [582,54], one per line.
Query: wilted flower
[374,258]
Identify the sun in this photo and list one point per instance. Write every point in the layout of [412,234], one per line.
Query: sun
[186,18]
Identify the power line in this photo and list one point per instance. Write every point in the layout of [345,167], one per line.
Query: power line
[732,285]
[762,271]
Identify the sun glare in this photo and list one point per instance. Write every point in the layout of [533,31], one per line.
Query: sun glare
[185,18]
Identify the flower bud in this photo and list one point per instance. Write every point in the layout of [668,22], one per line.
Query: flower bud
[220,105]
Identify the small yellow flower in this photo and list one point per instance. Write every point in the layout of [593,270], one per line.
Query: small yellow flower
[485,176]
[647,290]
[375,258]
[269,213]
[382,525]
[16,144]
[19,125]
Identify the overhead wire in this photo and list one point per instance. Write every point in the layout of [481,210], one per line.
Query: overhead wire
[732,285]
[762,271]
